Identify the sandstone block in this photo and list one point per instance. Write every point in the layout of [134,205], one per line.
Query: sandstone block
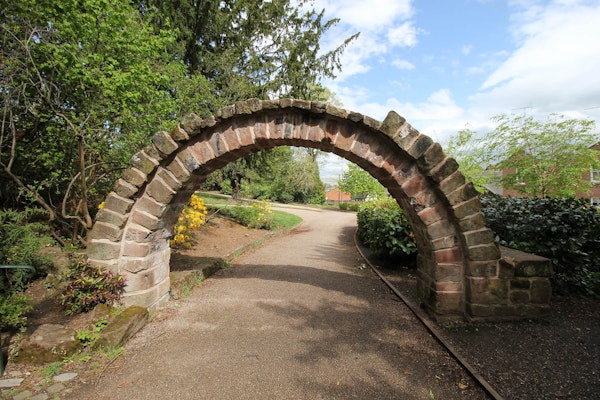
[48,343]
[123,327]
[134,176]
[541,291]
[103,250]
[191,123]
[124,188]
[143,162]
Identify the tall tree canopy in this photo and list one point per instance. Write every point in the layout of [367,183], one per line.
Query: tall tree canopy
[252,48]
[85,83]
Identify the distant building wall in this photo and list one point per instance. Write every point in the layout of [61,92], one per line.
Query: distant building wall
[336,194]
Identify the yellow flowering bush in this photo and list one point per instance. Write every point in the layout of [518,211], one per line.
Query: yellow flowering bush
[192,217]
[263,215]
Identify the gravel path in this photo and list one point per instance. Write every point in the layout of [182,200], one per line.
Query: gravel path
[298,318]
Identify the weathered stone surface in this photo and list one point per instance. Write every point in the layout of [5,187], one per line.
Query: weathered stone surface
[191,123]
[103,249]
[103,230]
[111,217]
[462,194]
[541,291]
[48,343]
[122,327]
[444,170]
[391,124]
[483,252]
[125,189]
[467,208]
[179,134]
[160,191]
[134,176]
[143,162]
[483,269]
[420,146]
[431,158]
[164,143]
[527,265]
[480,236]
[65,377]
[11,382]
[117,203]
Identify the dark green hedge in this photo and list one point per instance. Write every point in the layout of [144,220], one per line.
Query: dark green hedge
[567,231]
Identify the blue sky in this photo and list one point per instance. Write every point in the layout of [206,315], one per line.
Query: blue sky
[446,65]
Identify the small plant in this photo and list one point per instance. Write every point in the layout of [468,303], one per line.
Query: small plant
[88,286]
[52,369]
[192,217]
[113,352]
[87,338]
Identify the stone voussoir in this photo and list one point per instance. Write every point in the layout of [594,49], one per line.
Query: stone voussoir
[134,176]
[192,124]
[125,189]
[144,162]
[117,203]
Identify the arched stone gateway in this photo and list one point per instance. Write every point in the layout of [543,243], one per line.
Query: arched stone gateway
[460,273]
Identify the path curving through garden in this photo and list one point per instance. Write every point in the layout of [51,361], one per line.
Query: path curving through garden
[297,318]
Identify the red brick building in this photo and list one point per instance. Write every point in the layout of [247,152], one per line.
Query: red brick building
[336,195]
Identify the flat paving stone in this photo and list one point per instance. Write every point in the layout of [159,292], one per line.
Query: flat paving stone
[67,376]
[23,395]
[9,383]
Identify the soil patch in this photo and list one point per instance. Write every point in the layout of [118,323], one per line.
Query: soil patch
[555,357]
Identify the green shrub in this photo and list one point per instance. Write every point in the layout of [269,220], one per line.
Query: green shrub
[88,286]
[350,206]
[22,236]
[567,231]
[13,308]
[383,227]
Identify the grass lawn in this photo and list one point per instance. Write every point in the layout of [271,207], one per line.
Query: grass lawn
[282,219]
[285,220]
[214,200]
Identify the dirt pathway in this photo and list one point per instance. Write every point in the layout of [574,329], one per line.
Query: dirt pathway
[294,319]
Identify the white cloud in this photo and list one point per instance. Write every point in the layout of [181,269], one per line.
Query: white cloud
[403,64]
[466,49]
[438,116]
[555,67]
[404,35]
[369,15]
[382,24]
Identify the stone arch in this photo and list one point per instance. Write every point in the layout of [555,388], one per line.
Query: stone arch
[458,258]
